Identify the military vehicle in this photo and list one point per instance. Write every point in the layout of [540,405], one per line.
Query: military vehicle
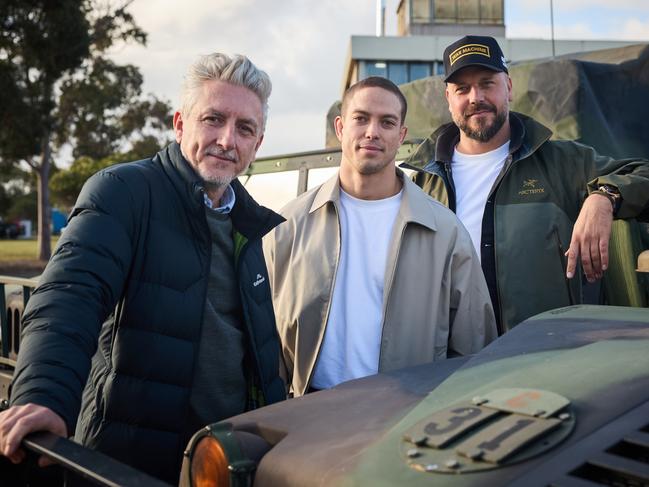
[563,399]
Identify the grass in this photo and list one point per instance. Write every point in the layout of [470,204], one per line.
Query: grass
[18,257]
[14,250]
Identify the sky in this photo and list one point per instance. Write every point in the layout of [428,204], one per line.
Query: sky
[302,45]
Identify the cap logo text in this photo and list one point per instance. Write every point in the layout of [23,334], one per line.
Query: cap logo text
[467,50]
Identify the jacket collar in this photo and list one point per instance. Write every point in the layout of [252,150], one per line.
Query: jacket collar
[182,175]
[328,192]
[415,204]
[248,217]
[527,135]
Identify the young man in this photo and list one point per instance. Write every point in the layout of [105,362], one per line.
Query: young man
[368,273]
[528,202]
[166,253]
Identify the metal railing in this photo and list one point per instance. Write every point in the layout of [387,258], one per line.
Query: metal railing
[303,162]
[73,462]
[10,318]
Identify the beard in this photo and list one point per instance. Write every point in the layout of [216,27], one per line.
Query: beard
[216,181]
[485,131]
[211,183]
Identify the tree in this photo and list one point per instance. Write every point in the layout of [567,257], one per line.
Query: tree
[53,59]
[67,183]
[102,117]
[18,198]
[103,112]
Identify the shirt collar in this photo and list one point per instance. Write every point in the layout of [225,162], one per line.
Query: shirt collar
[227,201]
[415,204]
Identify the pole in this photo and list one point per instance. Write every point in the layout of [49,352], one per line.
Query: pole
[552,27]
[380,18]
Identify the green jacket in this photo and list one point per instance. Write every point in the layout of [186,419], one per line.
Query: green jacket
[531,210]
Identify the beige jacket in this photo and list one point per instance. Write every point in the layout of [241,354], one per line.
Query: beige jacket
[435,297]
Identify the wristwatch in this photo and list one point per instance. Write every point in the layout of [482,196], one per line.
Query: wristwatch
[612,193]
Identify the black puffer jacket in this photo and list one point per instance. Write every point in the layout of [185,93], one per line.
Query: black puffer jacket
[137,251]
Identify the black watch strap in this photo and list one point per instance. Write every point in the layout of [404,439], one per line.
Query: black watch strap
[612,193]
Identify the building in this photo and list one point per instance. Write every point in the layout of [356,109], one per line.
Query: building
[426,27]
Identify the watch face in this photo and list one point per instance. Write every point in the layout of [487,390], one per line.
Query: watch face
[612,194]
[610,190]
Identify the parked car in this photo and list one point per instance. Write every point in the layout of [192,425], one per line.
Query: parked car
[10,230]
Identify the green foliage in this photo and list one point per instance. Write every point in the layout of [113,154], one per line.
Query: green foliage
[40,41]
[57,86]
[104,110]
[146,146]
[5,200]
[16,183]
[24,206]
[66,184]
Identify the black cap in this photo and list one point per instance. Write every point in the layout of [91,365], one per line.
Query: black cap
[473,51]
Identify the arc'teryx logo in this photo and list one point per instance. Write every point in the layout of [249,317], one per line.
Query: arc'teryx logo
[258,280]
[529,188]
[530,183]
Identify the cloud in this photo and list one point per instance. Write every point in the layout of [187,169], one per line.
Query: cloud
[587,7]
[540,30]
[302,44]
[606,4]
[633,29]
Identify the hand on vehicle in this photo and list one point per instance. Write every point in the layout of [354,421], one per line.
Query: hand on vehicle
[590,238]
[18,421]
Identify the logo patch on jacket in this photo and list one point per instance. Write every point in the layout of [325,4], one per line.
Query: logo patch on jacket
[529,187]
[258,280]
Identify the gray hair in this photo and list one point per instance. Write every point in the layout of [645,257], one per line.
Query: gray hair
[237,70]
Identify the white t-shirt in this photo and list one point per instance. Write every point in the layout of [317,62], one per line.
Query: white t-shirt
[473,176]
[352,339]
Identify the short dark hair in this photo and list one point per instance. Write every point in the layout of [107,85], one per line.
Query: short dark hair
[376,82]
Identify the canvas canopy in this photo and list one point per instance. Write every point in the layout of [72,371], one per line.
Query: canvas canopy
[598,98]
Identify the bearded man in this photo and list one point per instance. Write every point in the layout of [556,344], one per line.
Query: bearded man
[528,202]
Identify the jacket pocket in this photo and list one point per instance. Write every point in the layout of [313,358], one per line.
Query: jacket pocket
[564,264]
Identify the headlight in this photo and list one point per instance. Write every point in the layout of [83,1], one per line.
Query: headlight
[213,458]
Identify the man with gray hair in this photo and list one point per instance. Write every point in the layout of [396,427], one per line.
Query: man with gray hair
[157,298]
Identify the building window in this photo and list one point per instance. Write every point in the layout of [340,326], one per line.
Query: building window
[420,11]
[491,13]
[398,72]
[468,11]
[457,11]
[418,71]
[445,11]
[375,68]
